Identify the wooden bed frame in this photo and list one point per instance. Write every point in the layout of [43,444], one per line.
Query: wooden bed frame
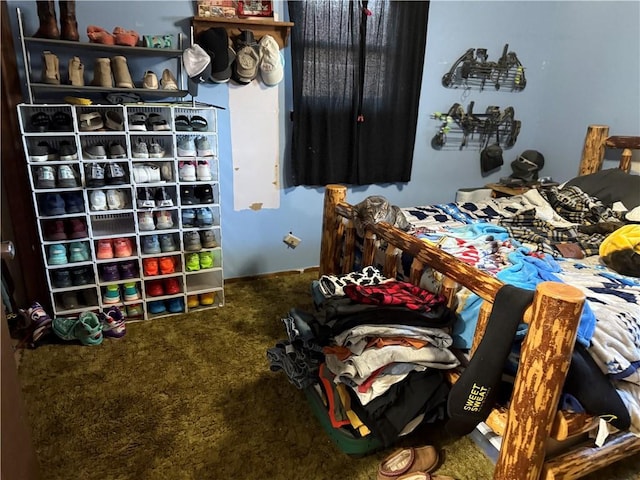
[532,422]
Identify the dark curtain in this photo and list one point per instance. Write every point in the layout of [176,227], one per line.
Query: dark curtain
[357,71]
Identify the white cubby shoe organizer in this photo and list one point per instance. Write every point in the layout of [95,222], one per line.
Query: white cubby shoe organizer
[159,191]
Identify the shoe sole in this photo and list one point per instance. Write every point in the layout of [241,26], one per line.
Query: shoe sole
[39,158]
[67,183]
[186,153]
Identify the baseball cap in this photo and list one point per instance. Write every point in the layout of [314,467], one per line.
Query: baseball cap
[215,42]
[272,63]
[247,63]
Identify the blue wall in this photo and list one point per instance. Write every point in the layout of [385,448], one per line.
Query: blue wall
[582,64]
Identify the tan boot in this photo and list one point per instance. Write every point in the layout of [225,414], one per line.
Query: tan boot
[50,68]
[121,72]
[102,73]
[76,72]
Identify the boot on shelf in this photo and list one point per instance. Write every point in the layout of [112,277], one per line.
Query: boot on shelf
[102,73]
[50,68]
[48,23]
[76,72]
[68,23]
[121,72]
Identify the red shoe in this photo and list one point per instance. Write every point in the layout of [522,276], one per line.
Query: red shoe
[171,286]
[100,35]
[150,266]
[154,288]
[128,38]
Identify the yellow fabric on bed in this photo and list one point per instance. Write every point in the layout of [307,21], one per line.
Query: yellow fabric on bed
[620,251]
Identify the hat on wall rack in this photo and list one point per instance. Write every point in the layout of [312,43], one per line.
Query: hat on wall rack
[197,64]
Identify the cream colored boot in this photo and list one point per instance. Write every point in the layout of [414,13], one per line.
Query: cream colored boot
[121,72]
[76,72]
[50,68]
[102,73]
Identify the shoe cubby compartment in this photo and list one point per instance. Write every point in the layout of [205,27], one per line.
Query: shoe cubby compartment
[196,145]
[155,226]
[163,265]
[73,302]
[163,288]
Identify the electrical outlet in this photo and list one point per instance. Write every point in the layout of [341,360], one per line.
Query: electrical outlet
[291,240]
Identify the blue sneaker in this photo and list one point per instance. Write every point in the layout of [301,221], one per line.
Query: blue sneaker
[57,254]
[52,204]
[79,252]
[204,217]
[151,244]
[189,217]
[73,202]
[176,305]
[157,306]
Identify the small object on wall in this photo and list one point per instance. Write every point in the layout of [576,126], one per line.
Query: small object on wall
[254,8]
[291,240]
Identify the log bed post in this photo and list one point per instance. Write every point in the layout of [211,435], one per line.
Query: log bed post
[334,194]
[544,362]
[593,150]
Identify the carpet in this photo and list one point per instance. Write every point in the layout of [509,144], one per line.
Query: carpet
[192,397]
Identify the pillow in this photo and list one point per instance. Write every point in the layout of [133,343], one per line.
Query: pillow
[610,186]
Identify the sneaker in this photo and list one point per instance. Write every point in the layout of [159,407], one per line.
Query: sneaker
[187,172]
[145,221]
[171,286]
[117,151]
[123,247]
[95,175]
[192,301]
[206,259]
[145,198]
[167,243]
[154,288]
[98,200]
[188,217]
[175,305]
[73,202]
[54,230]
[111,294]
[162,198]
[88,329]
[187,196]
[150,80]
[116,200]
[53,204]
[79,252]
[155,150]
[115,174]
[207,298]
[41,152]
[66,177]
[61,278]
[138,122]
[46,177]
[95,152]
[139,149]
[150,244]
[164,220]
[110,272]
[105,249]
[150,266]
[167,265]
[81,276]
[156,307]
[113,324]
[135,310]
[69,300]
[39,321]
[77,228]
[193,262]
[128,270]
[131,292]
[68,151]
[208,239]
[89,297]
[186,147]
[146,174]
[204,193]
[203,171]
[192,241]
[57,254]
[64,328]
[203,148]
[204,217]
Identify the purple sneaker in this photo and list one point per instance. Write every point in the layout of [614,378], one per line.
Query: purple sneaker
[40,321]
[110,272]
[113,323]
[128,270]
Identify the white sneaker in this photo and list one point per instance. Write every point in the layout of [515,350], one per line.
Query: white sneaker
[186,147]
[98,200]
[203,172]
[139,150]
[46,177]
[155,150]
[66,177]
[187,172]
[164,220]
[145,221]
[203,148]
[116,200]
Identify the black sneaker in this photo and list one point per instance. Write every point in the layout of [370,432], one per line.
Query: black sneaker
[61,279]
[81,276]
[95,175]
[68,151]
[145,198]
[162,198]
[115,174]
[187,196]
[204,193]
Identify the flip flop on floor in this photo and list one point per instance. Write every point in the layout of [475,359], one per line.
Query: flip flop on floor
[408,460]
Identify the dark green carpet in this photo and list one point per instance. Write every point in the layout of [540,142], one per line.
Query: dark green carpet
[192,397]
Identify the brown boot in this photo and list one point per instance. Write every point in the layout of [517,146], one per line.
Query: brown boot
[68,23]
[102,73]
[121,72]
[48,23]
[76,72]
[50,68]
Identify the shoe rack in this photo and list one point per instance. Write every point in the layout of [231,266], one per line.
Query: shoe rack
[140,59]
[116,190]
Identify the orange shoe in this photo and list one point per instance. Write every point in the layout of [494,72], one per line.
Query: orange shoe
[207,298]
[100,35]
[167,265]
[192,301]
[105,248]
[128,38]
[150,266]
[123,247]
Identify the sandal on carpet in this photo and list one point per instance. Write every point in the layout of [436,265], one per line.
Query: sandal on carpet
[424,476]
[124,37]
[199,123]
[100,35]
[408,460]
[182,124]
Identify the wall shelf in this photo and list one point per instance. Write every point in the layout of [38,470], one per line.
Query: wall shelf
[234,26]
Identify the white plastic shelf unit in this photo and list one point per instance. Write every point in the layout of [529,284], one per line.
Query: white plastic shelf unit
[159,191]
